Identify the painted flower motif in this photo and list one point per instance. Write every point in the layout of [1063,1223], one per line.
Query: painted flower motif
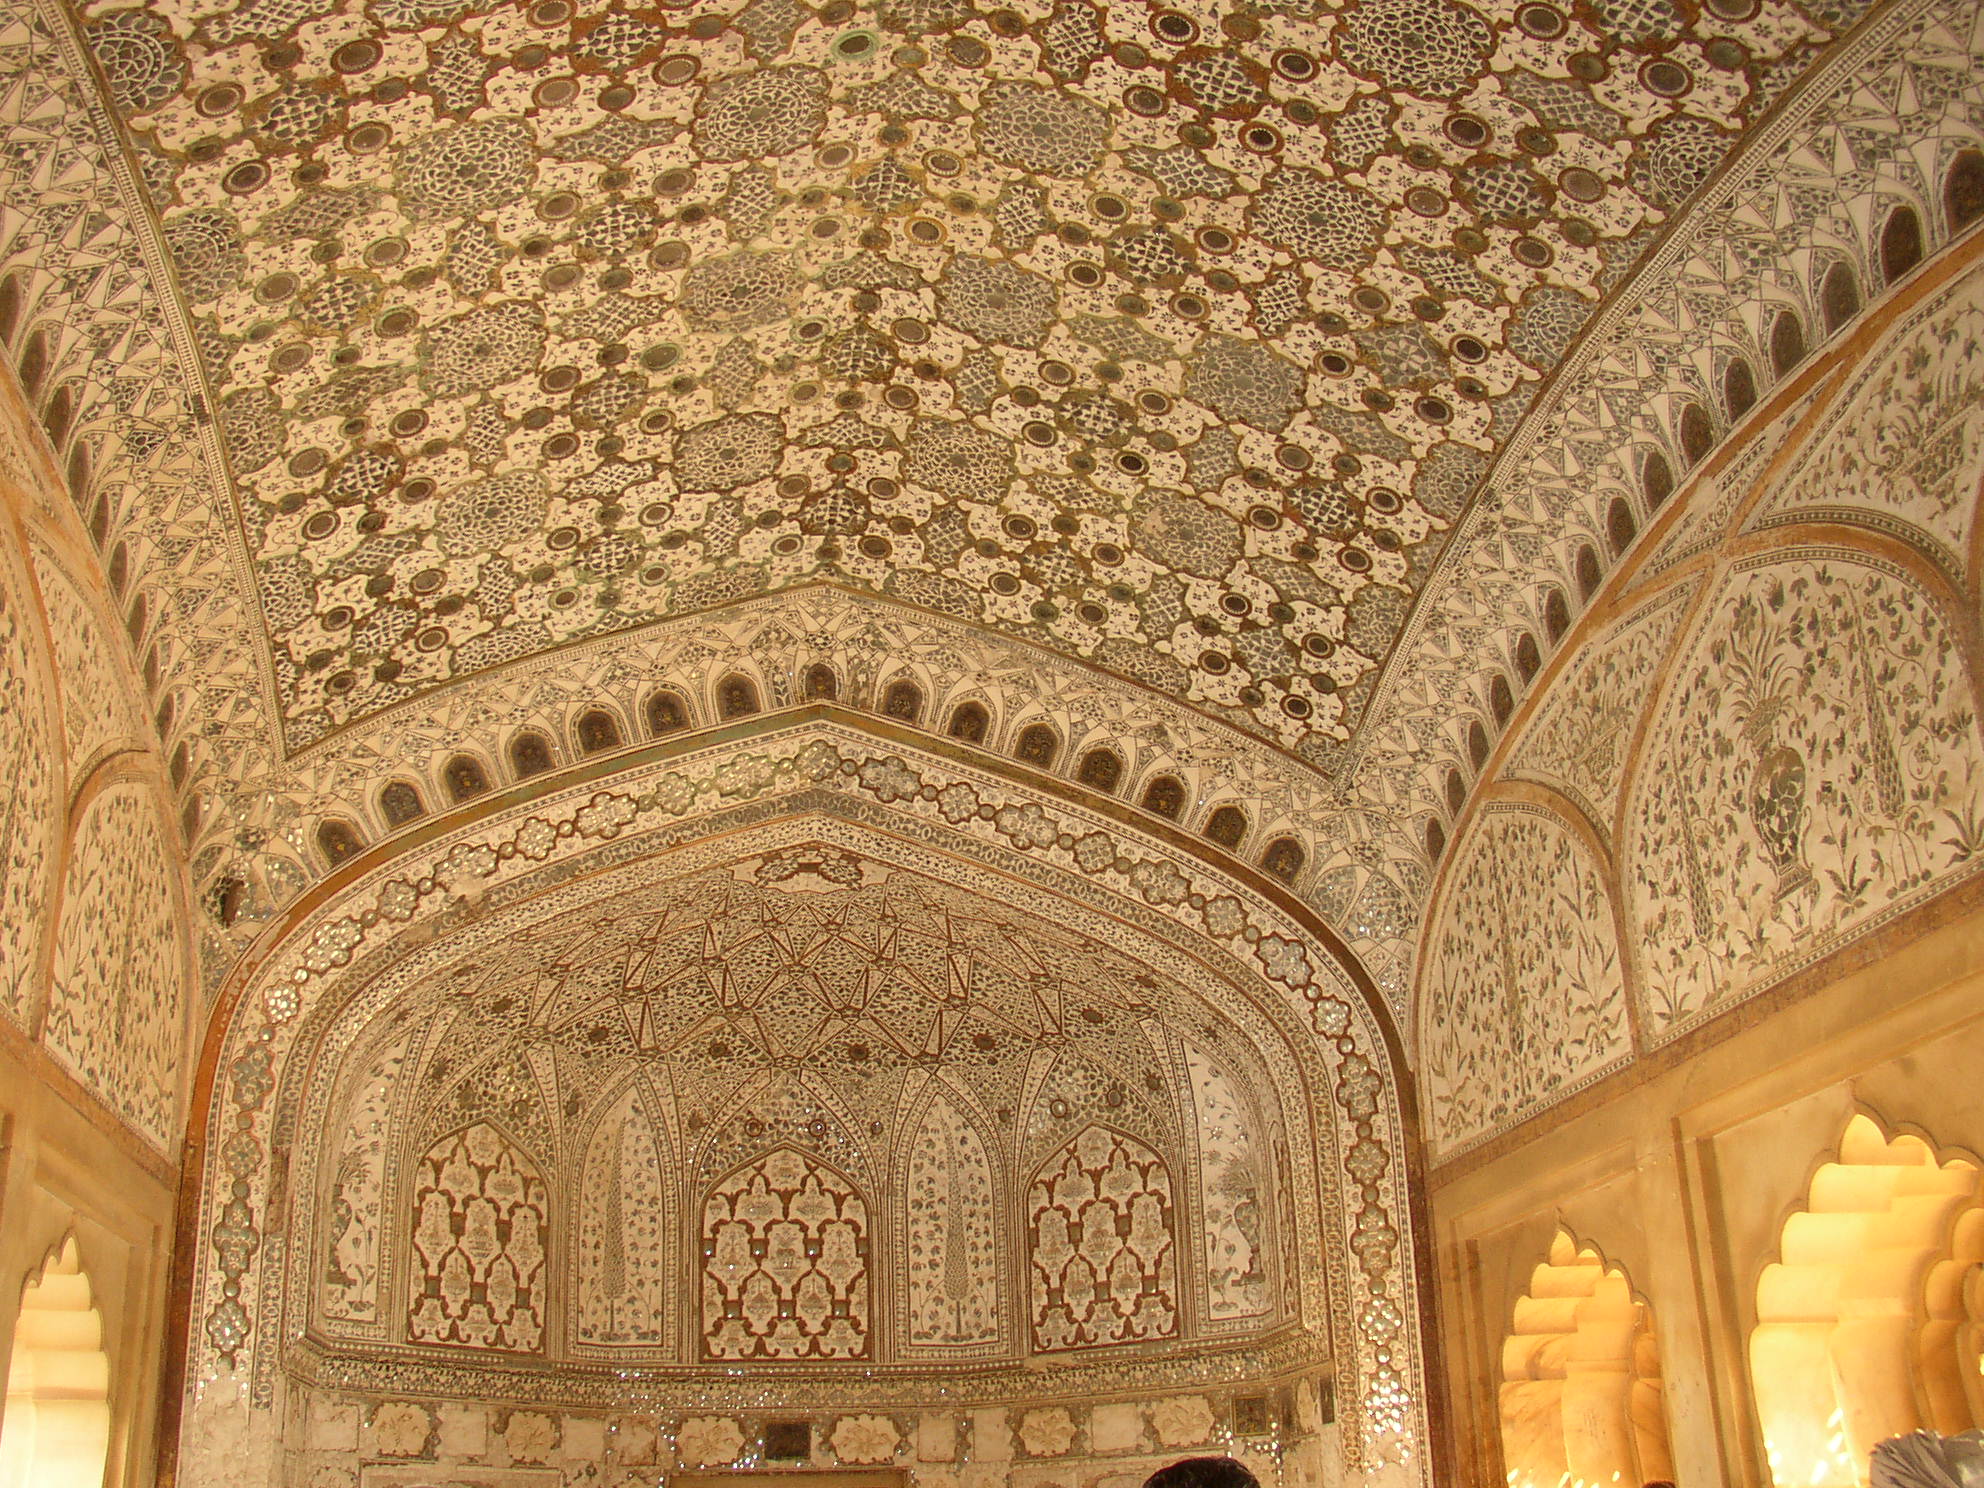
[958,802]
[1182,1420]
[890,780]
[1160,882]
[1047,1433]
[1095,852]
[1285,960]
[709,1441]
[1225,917]
[531,1436]
[865,1439]
[1027,825]
[400,1429]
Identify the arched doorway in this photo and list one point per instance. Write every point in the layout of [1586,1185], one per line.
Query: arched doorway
[56,1431]
[1869,1322]
[1581,1397]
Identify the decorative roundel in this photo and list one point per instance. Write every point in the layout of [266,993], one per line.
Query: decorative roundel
[943,260]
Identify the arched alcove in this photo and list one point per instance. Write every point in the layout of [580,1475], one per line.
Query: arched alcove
[1581,1399]
[1868,1321]
[969,722]
[616,1125]
[56,1430]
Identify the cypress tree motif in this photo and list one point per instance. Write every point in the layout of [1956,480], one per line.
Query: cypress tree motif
[613,1245]
[1698,903]
[957,1273]
[1888,784]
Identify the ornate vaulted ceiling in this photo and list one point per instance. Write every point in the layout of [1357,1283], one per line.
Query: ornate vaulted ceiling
[1172,339]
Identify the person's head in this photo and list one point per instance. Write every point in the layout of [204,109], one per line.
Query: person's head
[1203,1472]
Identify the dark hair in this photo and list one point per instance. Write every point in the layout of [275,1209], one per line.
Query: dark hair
[1203,1472]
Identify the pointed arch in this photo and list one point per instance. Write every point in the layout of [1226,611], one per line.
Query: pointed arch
[530,754]
[1284,859]
[1588,573]
[481,1230]
[1839,297]
[1656,480]
[400,803]
[1038,744]
[1556,615]
[1227,826]
[1787,343]
[1739,389]
[1963,190]
[598,731]
[903,700]
[338,841]
[970,722]
[1101,769]
[1697,433]
[786,1273]
[1101,1243]
[821,684]
[667,713]
[12,298]
[949,1230]
[737,697]
[465,778]
[1165,797]
[1901,243]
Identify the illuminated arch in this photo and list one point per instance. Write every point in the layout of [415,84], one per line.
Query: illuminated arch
[56,1432]
[1581,1398]
[1868,1322]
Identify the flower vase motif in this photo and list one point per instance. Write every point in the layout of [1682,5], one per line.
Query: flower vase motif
[1777,811]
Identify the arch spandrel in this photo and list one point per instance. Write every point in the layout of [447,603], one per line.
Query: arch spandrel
[805,809]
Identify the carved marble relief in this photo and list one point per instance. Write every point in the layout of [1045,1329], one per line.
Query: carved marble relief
[354,1227]
[1234,1195]
[626,1280]
[480,1234]
[1902,448]
[1582,732]
[28,809]
[96,705]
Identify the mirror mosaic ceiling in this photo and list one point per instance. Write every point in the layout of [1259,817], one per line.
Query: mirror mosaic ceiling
[1174,340]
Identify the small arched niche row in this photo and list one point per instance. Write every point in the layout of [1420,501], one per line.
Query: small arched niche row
[1165,797]
[1870,1320]
[903,701]
[821,684]
[598,731]
[56,1431]
[1581,1399]
[969,722]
